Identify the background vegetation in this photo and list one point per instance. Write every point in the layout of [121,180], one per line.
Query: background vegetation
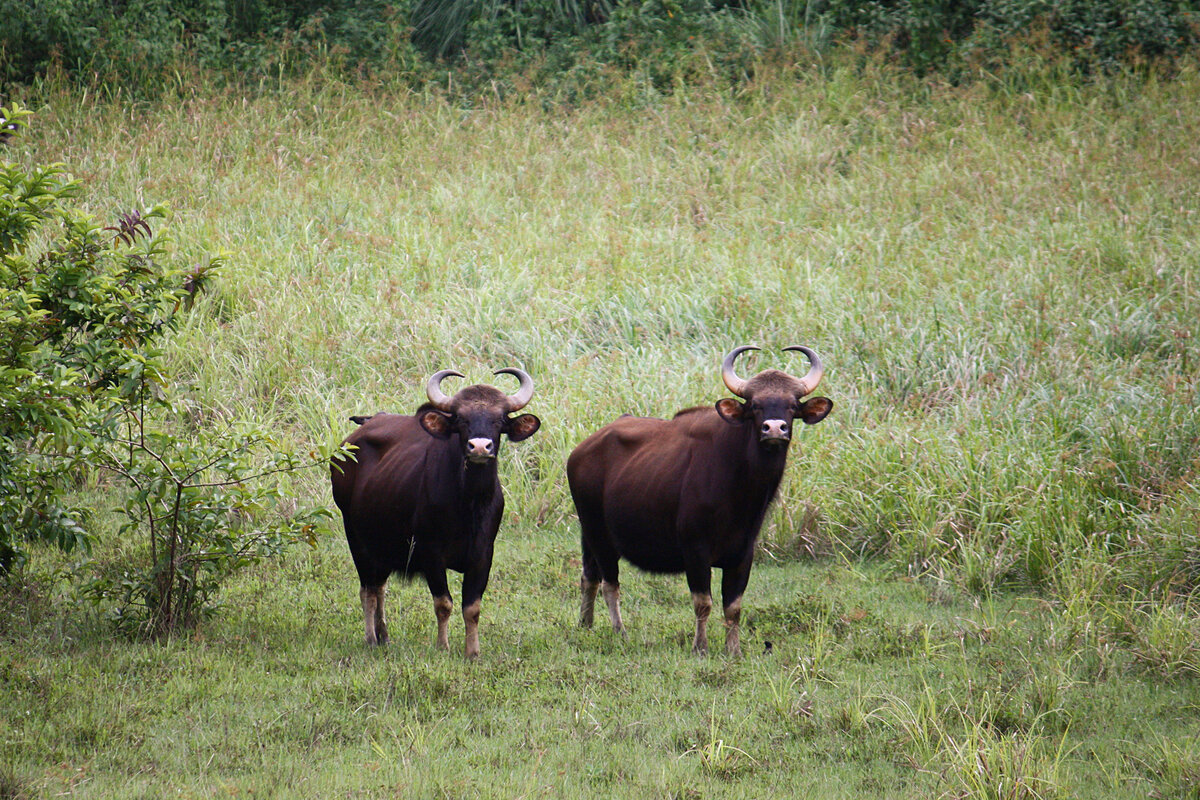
[568,47]
[979,577]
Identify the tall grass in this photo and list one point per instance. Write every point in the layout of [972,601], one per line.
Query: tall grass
[1003,286]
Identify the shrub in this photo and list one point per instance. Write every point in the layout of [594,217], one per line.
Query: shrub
[200,510]
[83,389]
[73,312]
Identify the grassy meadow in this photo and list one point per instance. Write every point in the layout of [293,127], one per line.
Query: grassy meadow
[977,579]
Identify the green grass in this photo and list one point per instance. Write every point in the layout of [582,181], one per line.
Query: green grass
[975,582]
[868,688]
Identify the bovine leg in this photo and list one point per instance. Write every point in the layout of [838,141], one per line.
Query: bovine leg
[593,575]
[587,599]
[371,598]
[612,598]
[702,605]
[601,571]
[471,621]
[371,581]
[610,586]
[699,578]
[589,585]
[381,631]
[733,636]
[442,604]
[475,581]
[733,585]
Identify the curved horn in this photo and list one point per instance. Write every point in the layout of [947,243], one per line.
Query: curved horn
[732,381]
[524,394]
[433,389]
[815,372]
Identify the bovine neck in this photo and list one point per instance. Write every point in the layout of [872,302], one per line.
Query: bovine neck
[759,469]
[479,482]
[479,490]
[476,484]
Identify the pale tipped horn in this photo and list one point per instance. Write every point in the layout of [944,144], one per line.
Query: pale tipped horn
[815,372]
[732,381]
[433,389]
[524,394]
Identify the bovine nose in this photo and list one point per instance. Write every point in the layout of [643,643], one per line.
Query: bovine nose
[481,448]
[775,429]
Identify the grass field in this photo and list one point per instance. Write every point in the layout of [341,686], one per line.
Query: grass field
[977,579]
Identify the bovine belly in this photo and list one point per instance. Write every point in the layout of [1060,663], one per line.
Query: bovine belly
[656,542]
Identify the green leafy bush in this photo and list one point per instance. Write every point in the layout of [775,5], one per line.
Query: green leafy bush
[200,511]
[84,392]
[74,310]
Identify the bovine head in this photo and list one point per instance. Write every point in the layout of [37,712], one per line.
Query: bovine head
[478,414]
[774,399]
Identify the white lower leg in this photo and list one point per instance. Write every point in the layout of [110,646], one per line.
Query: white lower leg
[587,601]
[733,636]
[442,606]
[381,631]
[471,620]
[369,600]
[612,598]
[702,605]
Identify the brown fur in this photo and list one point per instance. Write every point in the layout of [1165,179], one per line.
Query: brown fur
[687,494]
[423,496]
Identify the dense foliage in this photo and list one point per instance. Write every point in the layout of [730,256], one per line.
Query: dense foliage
[81,307]
[85,392]
[132,45]
[942,34]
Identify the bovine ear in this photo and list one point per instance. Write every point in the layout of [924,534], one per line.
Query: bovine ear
[521,427]
[731,411]
[435,423]
[815,409]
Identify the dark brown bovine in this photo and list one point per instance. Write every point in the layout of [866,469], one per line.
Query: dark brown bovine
[424,496]
[690,493]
